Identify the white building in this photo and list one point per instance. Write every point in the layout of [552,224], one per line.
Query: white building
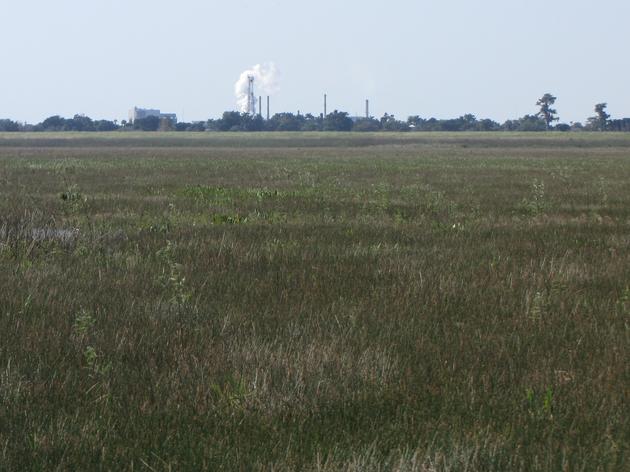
[138,113]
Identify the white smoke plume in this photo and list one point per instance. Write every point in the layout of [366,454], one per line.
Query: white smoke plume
[266,83]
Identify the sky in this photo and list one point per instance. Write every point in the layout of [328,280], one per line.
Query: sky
[433,58]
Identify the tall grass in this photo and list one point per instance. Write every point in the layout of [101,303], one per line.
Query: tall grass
[382,305]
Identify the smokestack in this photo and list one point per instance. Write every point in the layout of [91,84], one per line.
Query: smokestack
[325,104]
[260,106]
[264,77]
[267,107]
[367,109]
[251,98]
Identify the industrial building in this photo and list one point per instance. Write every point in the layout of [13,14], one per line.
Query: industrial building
[138,113]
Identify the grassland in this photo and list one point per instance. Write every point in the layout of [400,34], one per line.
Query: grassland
[417,302]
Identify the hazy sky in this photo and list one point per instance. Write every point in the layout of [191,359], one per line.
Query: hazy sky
[441,58]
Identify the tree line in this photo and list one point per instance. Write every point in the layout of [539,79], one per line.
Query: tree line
[544,120]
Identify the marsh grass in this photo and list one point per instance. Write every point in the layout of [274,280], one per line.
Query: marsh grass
[320,302]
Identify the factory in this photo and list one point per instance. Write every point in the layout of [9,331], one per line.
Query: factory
[249,104]
[139,113]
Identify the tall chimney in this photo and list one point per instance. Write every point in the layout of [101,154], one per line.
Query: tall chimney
[325,104]
[267,107]
[251,98]
[367,109]
[260,106]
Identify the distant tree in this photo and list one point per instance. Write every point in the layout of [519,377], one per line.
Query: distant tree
[532,123]
[526,123]
[9,126]
[337,121]
[487,125]
[367,124]
[311,123]
[52,123]
[387,121]
[213,125]
[469,122]
[79,123]
[546,113]
[105,125]
[252,122]
[390,123]
[562,127]
[432,124]
[600,121]
[416,123]
[230,121]
[619,125]
[457,124]
[198,126]
[510,125]
[285,122]
[577,126]
[150,123]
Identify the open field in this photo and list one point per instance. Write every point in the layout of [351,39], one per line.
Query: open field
[417,302]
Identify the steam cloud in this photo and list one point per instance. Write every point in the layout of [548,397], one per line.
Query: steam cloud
[266,82]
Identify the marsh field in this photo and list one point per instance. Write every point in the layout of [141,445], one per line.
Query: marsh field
[320,302]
